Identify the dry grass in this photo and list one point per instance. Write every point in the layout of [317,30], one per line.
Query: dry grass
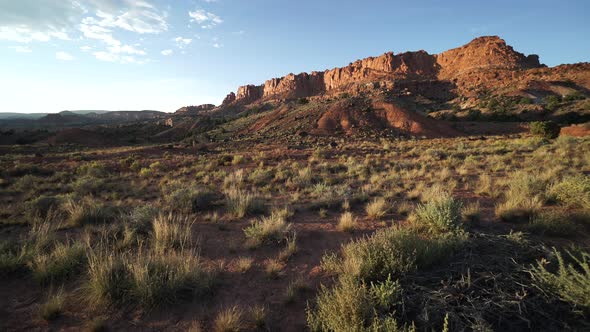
[377,208]
[347,222]
[229,320]
[172,231]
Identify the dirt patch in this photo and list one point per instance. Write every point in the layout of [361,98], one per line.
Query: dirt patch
[576,130]
[491,128]
[380,116]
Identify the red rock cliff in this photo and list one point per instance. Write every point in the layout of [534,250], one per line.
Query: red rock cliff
[481,53]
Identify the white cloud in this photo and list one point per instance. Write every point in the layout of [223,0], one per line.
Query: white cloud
[182,42]
[27,21]
[126,49]
[85,48]
[25,34]
[140,17]
[217,45]
[63,56]
[167,52]
[21,49]
[115,57]
[205,19]
[98,33]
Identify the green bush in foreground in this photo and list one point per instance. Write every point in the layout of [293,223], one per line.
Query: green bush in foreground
[268,229]
[148,279]
[569,281]
[65,260]
[572,191]
[392,251]
[241,203]
[440,215]
[354,306]
[190,199]
[53,307]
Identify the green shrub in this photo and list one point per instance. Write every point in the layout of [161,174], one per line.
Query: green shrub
[135,166]
[171,231]
[53,307]
[568,281]
[86,184]
[86,212]
[229,320]
[267,230]
[241,203]
[551,102]
[377,208]
[576,95]
[440,215]
[524,198]
[42,205]
[27,183]
[545,129]
[140,219]
[164,279]
[146,172]
[394,251]
[64,261]
[554,223]
[347,222]
[108,278]
[572,191]
[93,169]
[157,166]
[190,199]
[354,306]
[148,279]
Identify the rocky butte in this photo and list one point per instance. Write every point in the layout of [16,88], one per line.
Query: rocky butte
[470,60]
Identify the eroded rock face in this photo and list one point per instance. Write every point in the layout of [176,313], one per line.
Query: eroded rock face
[230,98]
[292,86]
[195,109]
[249,93]
[482,53]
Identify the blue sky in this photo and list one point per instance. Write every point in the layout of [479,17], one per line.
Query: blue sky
[164,54]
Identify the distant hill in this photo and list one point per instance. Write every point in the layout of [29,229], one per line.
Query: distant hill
[14,115]
[75,118]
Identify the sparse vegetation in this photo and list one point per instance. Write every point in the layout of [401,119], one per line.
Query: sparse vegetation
[53,307]
[545,129]
[268,229]
[377,208]
[229,320]
[347,222]
[408,236]
[570,281]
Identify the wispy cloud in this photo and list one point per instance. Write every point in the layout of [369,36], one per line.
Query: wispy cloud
[182,42]
[114,57]
[27,21]
[205,19]
[63,56]
[167,52]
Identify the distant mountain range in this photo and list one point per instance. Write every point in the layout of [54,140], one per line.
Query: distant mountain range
[75,118]
[33,116]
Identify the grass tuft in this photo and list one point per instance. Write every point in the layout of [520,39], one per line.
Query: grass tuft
[347,222]
[229,320]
